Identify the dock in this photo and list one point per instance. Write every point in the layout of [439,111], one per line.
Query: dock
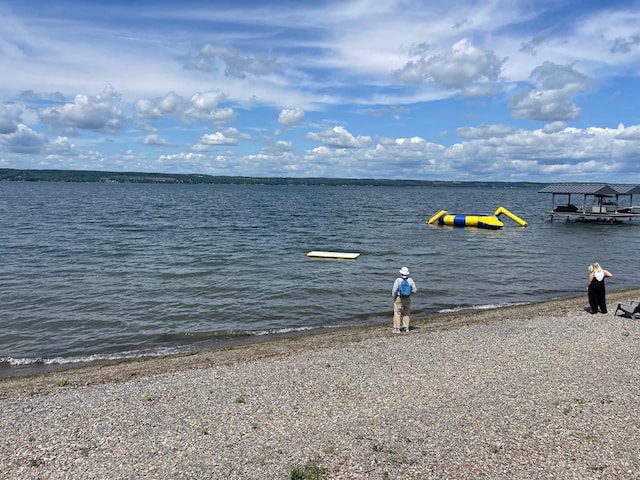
[593,202]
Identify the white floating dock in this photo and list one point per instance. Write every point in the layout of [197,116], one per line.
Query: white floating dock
[342,255]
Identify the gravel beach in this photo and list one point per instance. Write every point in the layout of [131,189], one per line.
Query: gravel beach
[538,391]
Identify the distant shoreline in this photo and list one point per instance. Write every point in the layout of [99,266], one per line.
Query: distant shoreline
[91,176]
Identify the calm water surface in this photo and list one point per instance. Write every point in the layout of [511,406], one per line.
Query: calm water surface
[94,271]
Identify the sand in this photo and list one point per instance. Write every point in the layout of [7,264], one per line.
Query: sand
[544,390]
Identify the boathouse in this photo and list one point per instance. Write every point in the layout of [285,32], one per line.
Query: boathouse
[593,202]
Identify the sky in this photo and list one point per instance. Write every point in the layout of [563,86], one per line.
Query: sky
[516,90]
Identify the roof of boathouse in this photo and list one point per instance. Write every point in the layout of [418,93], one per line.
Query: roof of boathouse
[592,189]
[627,189]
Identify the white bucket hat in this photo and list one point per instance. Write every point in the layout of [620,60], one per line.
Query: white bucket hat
[404,271]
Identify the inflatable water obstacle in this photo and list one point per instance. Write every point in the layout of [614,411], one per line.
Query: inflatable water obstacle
[481,221]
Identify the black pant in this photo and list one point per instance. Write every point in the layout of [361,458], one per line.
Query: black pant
[597,300]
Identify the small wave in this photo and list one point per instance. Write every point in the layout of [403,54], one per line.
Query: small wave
[25,361]
[488,306]
[9,362]
[276,331]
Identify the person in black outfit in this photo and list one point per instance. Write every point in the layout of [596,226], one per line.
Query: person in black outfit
[595,288]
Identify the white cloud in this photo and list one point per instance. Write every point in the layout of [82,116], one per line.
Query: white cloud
[171,103]
[232,62]
[339,137]
[155,139]
[290,116]
[206,101]
[554,127]
[553,99]
[181,162]
[100,113]
[23,140]
[278,148]
[10,117]
[201,106]
[630,133]
[462,65]
[230,136]
[485,131]
[553,77]
[204,106]
[487,152]
[61,146]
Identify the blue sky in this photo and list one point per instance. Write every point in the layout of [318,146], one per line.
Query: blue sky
[517,90]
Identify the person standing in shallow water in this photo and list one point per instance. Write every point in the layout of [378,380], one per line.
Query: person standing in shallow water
[595,288]
[401,292]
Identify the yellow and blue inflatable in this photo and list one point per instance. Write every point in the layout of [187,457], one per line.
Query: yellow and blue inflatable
[481,221]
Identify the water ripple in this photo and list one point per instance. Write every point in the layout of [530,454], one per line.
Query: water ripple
[96,270]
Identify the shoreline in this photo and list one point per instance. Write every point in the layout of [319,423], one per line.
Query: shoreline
[35,367]
[542,390]
[251,348]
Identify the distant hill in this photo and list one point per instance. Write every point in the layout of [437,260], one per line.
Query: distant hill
[12,174]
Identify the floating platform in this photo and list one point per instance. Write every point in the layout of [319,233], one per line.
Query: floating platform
[336,255]
[492,222]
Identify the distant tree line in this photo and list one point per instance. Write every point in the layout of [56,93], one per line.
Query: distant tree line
[12,174]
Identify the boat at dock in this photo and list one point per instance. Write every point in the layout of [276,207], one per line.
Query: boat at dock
[593,202]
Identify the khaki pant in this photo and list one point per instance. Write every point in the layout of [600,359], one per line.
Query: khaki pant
[401,311]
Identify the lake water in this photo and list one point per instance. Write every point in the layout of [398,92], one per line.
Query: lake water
[100,271]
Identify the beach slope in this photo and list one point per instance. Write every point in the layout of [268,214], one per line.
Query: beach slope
[545,390]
